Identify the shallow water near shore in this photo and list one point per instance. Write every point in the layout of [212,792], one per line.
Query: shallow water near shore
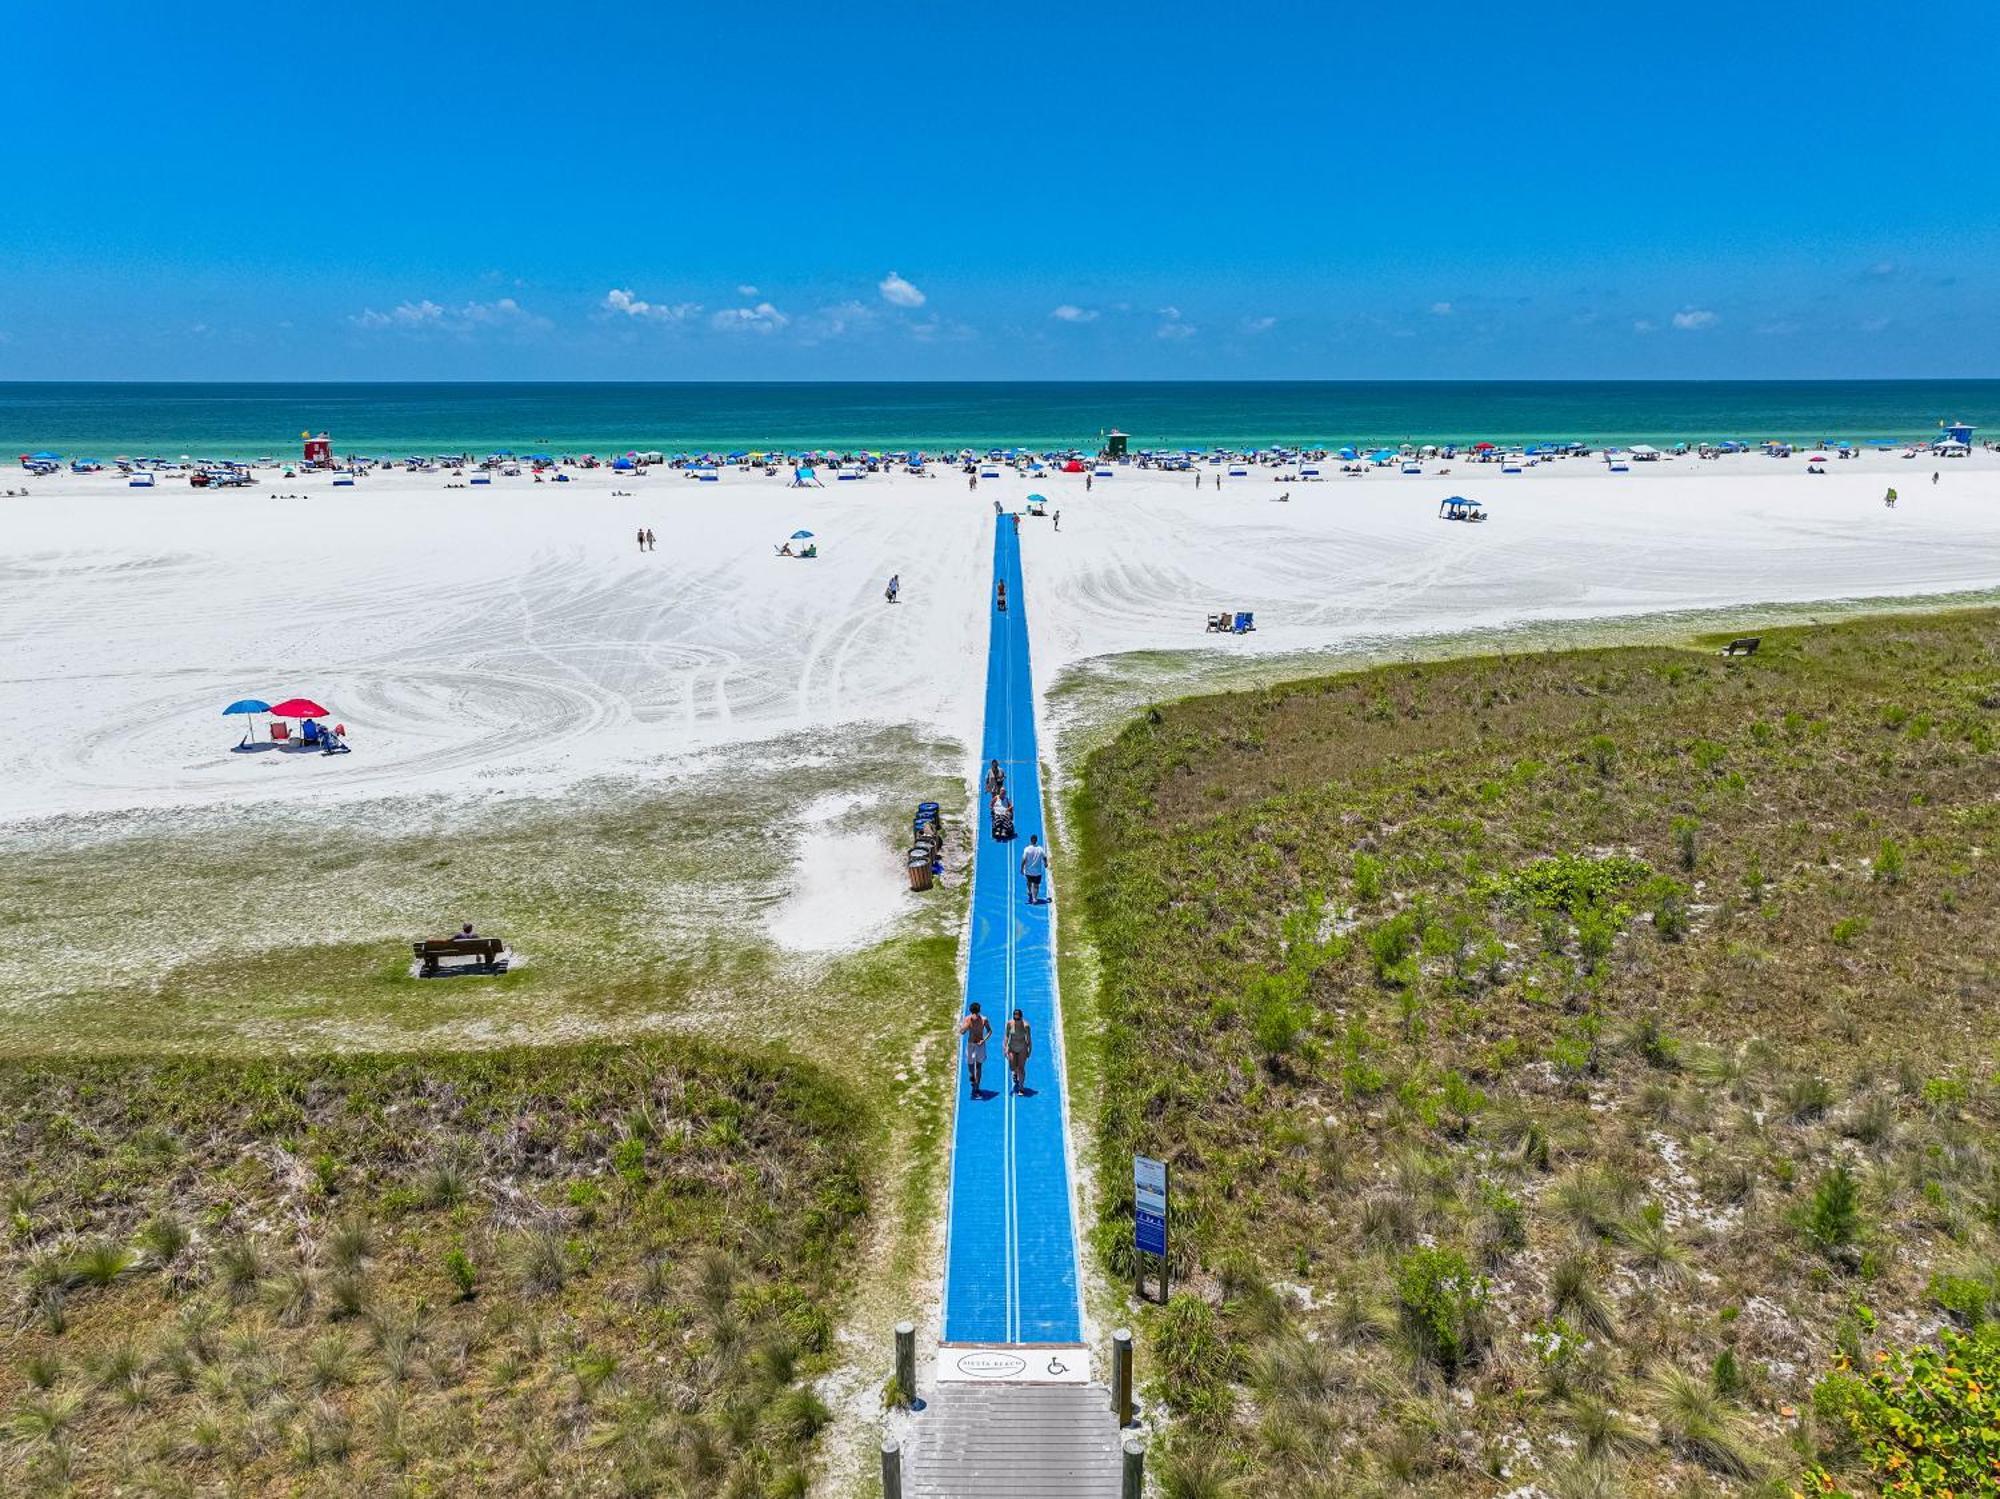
[247,420]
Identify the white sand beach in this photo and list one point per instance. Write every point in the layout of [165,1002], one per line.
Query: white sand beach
[513,638]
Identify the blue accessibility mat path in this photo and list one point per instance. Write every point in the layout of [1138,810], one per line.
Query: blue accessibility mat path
[1010,1258]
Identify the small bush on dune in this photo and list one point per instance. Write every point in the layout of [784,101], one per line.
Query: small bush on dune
[1443,1306]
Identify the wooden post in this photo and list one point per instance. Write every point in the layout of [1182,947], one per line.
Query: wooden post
[1121,1375]
[906,1361]
[1135,1469]
[892,1468]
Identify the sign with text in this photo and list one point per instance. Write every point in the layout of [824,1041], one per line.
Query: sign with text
[1149,1187]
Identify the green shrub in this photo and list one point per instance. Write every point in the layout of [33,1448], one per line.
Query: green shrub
[1602,751]
[1831,1219]
[1442,1306]
[1668,899]
[458,1265]
[1685,830]
[1889,862]
[1967,1299]
[1847,929]
[1392,941]
[1566,882]
[1367,877]
[1920,1422]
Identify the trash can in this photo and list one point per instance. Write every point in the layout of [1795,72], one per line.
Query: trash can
[920,868]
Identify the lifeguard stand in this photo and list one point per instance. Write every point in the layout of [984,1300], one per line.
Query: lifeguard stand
[1114,444]
[319,451]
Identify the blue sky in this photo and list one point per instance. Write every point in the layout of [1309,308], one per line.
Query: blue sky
[805,191]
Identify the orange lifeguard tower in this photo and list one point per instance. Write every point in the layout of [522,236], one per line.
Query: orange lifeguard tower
[319,451]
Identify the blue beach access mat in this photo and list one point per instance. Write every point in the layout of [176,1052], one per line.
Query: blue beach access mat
[1011,1257]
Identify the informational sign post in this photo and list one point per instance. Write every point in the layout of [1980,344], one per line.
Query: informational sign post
[1149,1219]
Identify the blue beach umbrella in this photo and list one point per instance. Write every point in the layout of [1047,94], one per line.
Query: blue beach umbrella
[247,706]
[802,536]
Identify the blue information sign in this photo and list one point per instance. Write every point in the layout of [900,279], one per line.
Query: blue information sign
[1150,1234]
[1149,1190]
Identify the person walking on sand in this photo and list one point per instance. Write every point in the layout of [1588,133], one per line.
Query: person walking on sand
[642,538]
[1088,480]
[651,546]
[1035,865]
[1934,477]
[1058,520]
[975,1027]
[895,587]
[1019,1044]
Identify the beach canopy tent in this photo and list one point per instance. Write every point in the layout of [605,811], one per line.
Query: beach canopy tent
[622,463]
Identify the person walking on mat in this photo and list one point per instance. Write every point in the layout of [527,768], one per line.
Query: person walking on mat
[975,1027]
[1035,865]
[1019,1043]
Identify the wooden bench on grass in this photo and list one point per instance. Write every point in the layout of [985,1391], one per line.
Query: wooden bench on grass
[487,954]
[1745,647]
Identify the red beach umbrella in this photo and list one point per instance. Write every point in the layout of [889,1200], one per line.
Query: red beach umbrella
[297,707]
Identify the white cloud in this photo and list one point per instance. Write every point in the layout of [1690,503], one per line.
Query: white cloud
[833,322]
[1691,318]
[1644,325]
[746,291]
[1173,326]
[898,292]
[1440,309]
[1069,312]
[429,316]
[1259,324]
[622,300]
[1882,270]
[763,318]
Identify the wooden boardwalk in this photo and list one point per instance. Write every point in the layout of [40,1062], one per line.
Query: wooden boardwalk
[1015,1441]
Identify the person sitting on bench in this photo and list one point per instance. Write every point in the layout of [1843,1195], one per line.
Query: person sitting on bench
[465,932]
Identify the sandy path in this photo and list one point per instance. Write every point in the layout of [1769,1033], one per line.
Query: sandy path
[513,638]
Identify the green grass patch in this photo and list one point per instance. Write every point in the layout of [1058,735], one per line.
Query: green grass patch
[1543,1046]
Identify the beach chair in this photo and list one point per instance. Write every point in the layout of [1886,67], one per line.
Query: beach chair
[1244,622]
[1220,623]
[1239,473]
[1616,468]
[845,478]
[1413,468]
[476,479]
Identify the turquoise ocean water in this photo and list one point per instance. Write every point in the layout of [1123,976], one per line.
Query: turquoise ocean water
[393,420]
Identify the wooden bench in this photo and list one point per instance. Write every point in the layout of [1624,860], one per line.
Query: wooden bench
[488,955]
[1747,647]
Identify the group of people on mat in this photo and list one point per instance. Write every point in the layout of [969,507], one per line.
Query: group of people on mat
[1018,1041]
